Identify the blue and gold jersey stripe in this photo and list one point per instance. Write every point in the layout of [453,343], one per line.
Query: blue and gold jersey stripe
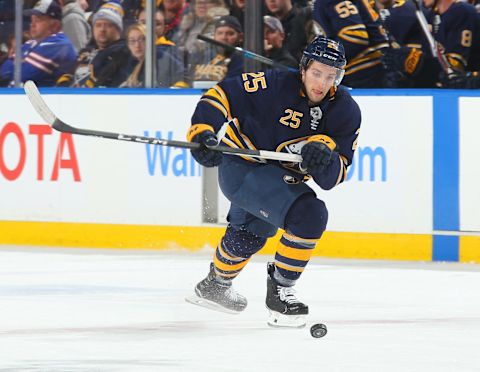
[371,57]
[217,98]
[356,34]
[236,139]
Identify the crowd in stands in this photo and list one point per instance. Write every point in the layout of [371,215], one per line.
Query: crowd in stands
[102,43]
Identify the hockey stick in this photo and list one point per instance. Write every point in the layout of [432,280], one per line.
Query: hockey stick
[247,53]
[44,111]
[437,52]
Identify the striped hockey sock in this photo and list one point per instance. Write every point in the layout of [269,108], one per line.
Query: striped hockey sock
[293,254]
[227,266]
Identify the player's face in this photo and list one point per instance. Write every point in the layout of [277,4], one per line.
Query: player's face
[318,79]
[105,32]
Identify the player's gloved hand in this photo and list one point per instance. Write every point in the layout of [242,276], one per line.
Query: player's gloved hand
[205,136]
[469,80]
[405,61]
[317,153]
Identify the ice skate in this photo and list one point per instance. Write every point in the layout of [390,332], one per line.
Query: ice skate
[285,310]
[216,295]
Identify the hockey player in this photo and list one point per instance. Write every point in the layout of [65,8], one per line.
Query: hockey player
[304,112]
[406,63]
[357,25]
[454,28]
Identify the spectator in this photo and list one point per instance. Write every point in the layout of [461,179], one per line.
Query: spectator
[200,21]
[169,70]
[131,9]
[105,63]
[273,40]
[237,9]
[136,36]
[74,23]
[170,66]
[175,10]
[49,54]
[222,62]
[297,23]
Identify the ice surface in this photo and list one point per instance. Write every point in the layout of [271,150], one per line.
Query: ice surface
[87,310]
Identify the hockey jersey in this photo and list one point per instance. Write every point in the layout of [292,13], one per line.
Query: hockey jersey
[269,111]
[43,61]
[455,30]
[357,26]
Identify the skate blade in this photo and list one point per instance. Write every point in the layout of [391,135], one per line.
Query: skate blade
[277,320]
[209,304]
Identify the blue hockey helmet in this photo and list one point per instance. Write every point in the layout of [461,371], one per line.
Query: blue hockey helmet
[328,52]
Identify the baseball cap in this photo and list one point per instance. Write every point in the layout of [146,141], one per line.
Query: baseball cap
[273,23]
[229,21]
[45,7]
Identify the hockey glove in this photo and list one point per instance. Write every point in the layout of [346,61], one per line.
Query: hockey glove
[404,61]
[317,154]
[469,80]
[205,136]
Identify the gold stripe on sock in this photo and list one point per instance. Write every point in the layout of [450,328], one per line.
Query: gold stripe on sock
[225,267]
[294,253]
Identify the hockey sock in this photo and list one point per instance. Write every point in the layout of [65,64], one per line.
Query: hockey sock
[293,254]
[234,251]
[227,266]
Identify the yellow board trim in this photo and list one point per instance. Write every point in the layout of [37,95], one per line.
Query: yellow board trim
[469,249]
[195,238]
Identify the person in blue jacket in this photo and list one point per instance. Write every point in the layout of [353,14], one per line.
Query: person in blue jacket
[49,54]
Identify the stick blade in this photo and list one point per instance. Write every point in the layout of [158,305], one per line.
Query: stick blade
[38,103]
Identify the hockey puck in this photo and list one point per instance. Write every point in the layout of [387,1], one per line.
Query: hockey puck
[318,330]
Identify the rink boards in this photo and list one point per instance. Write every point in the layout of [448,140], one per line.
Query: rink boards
[412,191]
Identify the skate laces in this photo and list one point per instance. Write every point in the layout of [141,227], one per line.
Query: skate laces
[287,294]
